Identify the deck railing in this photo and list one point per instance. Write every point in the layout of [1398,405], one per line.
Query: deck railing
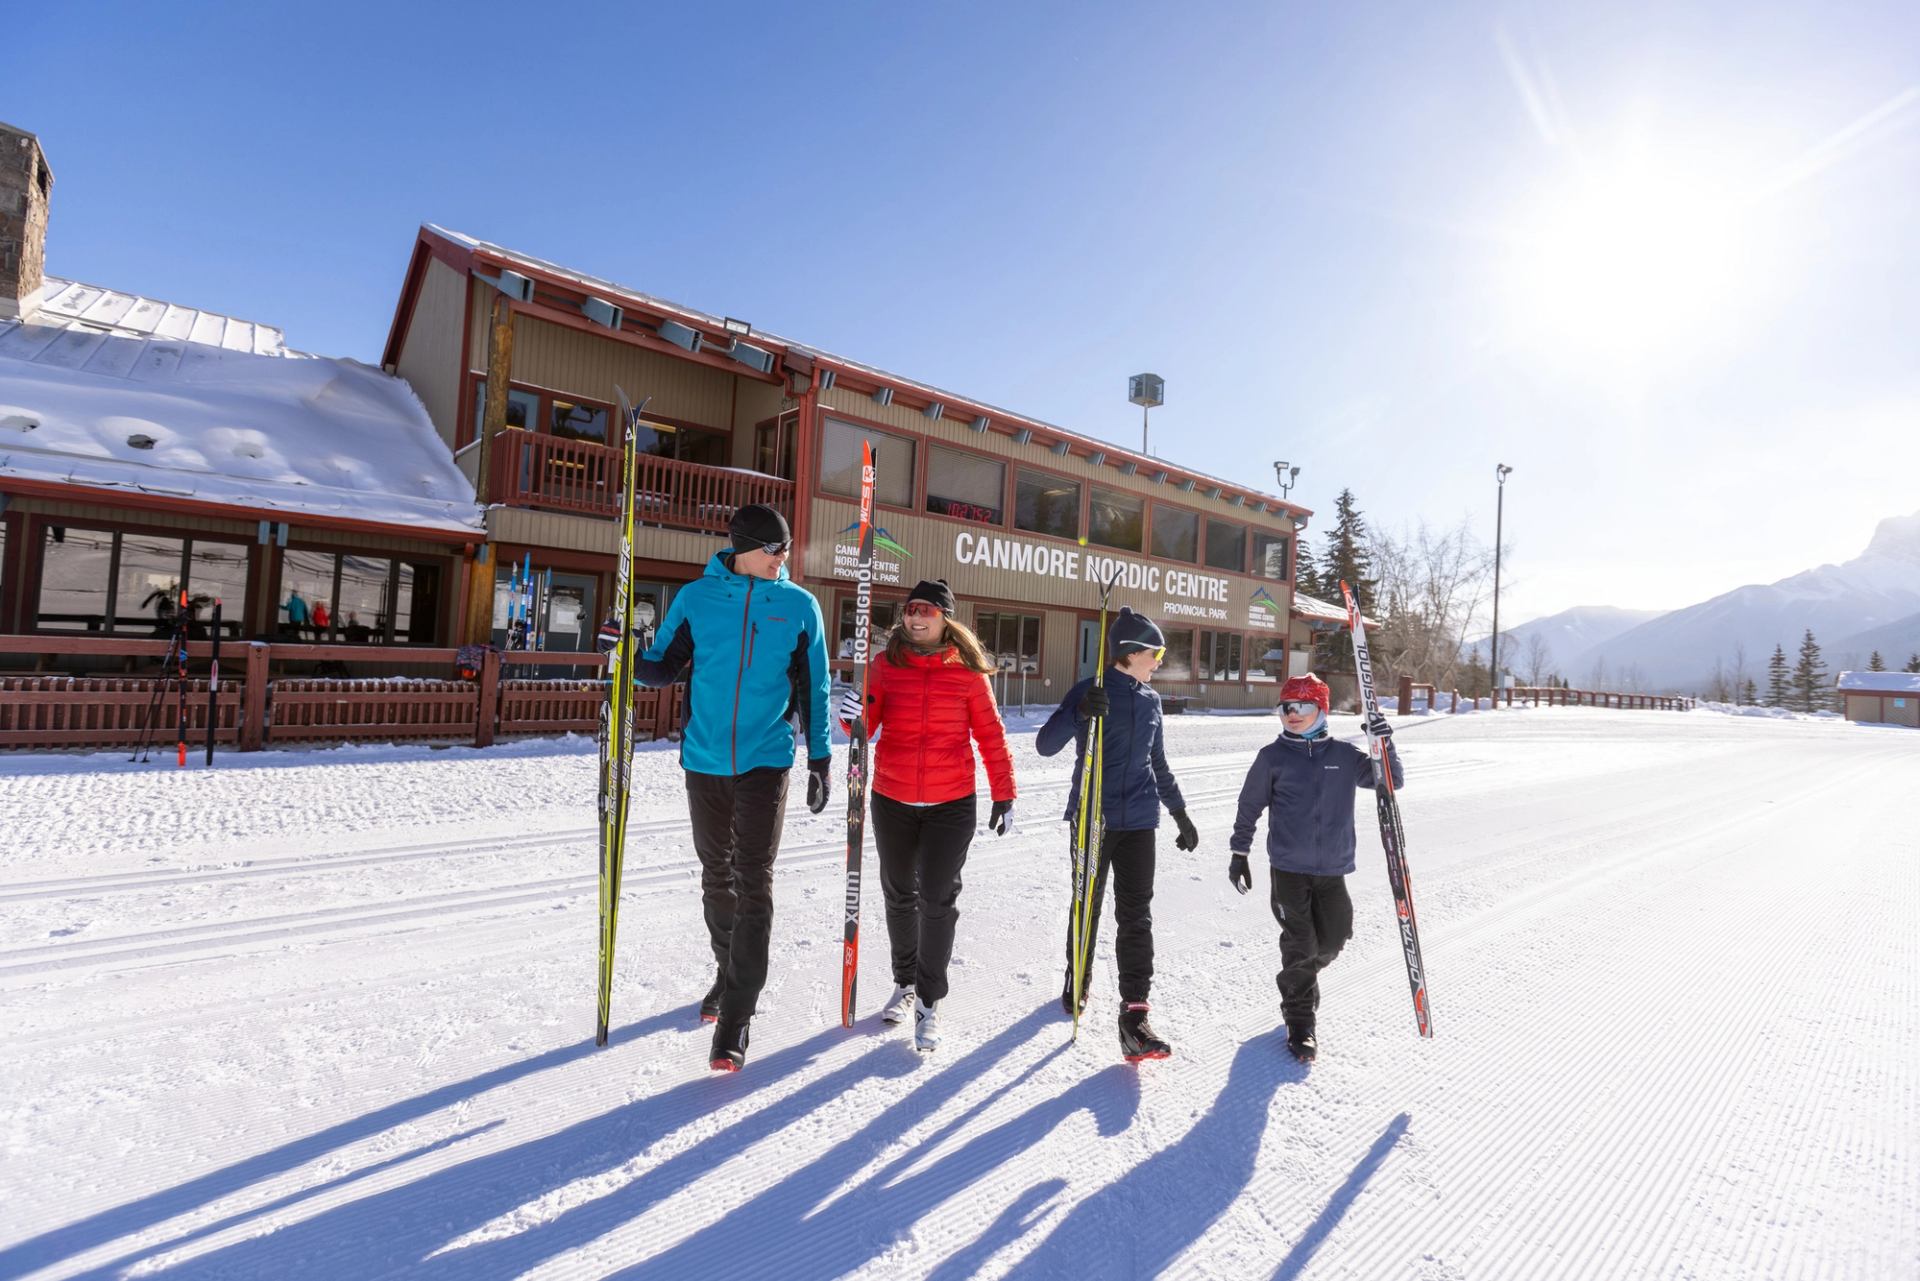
[531,469]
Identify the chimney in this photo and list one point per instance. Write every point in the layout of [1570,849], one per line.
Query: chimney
[26,188]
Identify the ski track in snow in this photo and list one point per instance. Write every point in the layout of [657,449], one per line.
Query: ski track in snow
[328,1014]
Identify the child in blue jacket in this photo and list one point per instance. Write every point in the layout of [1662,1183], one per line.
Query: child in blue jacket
[1305,781]
[1136,781]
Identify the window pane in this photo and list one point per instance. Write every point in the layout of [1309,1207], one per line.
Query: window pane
[523,407]
[773,447]
[1011,640]
[306,602]
[147,595]
[1270,555]
[364,609]
[840,463]
[218,572]
[1178,665]
[881,616]
[74,569]
[707,448]
[1047,504]
[1226,545]
[1266,657]
[966,485]
[572,420]
[1176,533]
[1116,519]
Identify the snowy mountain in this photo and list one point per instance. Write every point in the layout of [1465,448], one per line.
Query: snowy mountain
[1567,633]
[1896,641]
[1880,588]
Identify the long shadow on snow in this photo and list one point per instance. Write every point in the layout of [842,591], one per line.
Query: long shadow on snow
[1135,1225]
[110,1225]
[394,1231]
[1340,1202]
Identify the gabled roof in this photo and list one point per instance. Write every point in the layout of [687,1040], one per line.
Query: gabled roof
[1313,611]
[161,404]
[711,333]
[1880,682]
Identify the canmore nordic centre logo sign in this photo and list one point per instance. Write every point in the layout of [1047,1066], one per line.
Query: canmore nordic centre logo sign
[887,554]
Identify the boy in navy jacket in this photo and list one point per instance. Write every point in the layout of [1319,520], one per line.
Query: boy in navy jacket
[1135,782]
[1305,780]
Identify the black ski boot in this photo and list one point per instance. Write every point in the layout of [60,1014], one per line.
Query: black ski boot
[1066,991]
[1137,1040]
[1300,1042]
[729,1045]
[710,1003]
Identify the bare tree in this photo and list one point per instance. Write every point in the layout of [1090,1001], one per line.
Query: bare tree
[1539,659]
[1431,587]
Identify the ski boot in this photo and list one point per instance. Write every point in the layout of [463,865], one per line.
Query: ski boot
[1300,1042]
[1066,991]
[729,1045]
[899,1007]
[710,1003]
[1137,1040]
[926,1027]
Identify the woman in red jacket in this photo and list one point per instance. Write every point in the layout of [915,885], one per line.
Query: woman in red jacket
[929,703]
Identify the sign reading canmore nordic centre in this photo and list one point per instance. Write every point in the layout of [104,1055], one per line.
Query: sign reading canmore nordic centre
[1184,593]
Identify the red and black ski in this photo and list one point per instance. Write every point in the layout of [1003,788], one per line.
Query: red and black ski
[857,741]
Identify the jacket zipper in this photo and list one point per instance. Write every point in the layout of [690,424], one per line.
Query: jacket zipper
[926,697]
[746,653]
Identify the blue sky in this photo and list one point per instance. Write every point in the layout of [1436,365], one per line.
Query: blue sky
[1660,258]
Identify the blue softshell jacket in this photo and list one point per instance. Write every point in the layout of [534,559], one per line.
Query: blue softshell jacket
[1306,787]
[1137,780]
[759,653]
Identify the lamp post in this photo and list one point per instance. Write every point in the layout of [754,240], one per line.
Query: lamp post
[1146,391]
[1285,475]
[1500,472]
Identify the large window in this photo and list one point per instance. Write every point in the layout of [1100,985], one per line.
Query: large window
[1226,545]
[1176,533]
[1266,657]
[362,600]
[881,616]
[523,408]
[966,485]
[1178,664]
[773,446]
[1011,640]
[688,444]
[1047,504]
[578,420]
[130,583]
[1116,519]
[1271,555]
[840,463]
[1222,656]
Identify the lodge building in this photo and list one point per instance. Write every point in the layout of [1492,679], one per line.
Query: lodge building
[520,363]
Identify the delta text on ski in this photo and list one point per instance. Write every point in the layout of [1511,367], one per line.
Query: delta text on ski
[1075,564]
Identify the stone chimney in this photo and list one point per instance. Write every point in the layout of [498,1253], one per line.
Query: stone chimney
[26,188]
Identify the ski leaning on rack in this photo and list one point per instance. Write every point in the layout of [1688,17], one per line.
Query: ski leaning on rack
[213,681]
[857,741]
[1392,835]
[182,648]
[616,728]
[1090,824]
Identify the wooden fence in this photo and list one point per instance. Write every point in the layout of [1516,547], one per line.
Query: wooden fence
[255,709]
[1549,696]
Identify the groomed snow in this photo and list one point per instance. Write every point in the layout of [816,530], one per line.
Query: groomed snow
[329,1015]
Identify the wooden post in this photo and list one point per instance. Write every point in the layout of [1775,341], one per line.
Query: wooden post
[253,712]
[488,705]
[499,374]
[1406,695]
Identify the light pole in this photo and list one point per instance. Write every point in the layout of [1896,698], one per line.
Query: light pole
[1285,475]
[1146,391]
[1500,472]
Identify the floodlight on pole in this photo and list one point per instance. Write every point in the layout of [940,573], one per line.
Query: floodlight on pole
[1285,476]
[1146,391]
[1500,473]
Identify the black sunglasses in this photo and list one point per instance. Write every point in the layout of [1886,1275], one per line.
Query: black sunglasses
[1294,707]
[777,549]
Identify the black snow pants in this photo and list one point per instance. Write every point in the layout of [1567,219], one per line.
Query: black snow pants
[922,849]
[1129,855]
[1316,920]
[736,832]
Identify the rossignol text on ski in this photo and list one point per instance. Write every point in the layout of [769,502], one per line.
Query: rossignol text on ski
[857,741]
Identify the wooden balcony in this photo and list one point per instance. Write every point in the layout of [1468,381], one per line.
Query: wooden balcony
[530,469]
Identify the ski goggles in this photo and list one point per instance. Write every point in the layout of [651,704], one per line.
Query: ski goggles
[921,609]
[1158,651]
[1297,707]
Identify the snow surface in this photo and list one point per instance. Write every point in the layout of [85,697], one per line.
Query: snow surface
[329,1014]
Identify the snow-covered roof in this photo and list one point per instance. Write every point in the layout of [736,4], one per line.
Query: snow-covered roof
[109,390]
[1315,610]
[1881,682]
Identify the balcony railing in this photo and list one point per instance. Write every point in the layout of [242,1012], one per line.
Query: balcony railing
[529,469]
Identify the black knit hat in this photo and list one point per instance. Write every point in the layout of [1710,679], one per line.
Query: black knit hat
[937,594]
[756,526]
[1130,631]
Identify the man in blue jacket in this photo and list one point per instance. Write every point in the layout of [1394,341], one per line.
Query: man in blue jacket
[758,648]
[1135,782]
[1305,781]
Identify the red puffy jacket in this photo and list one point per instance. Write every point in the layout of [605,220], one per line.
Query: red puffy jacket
[928,715]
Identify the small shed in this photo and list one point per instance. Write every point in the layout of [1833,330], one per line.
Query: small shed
[1881,698]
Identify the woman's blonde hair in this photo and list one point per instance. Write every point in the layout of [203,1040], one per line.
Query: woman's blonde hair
[972,653]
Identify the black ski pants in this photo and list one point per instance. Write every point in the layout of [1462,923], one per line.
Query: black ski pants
[736,832]
[1316,920]
[1129,856]
[922,849]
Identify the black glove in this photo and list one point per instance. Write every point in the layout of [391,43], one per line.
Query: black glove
[1189,838]
[1238,874]
[1377,726]
[1093,703]
[1000,822]
[818,785]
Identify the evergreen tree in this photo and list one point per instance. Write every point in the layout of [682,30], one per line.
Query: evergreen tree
[1875,663]
[1474,677]
[1913,663]
[1306,579]
[1349,554]
[1778,685]
[1810,677]
[1749,695]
